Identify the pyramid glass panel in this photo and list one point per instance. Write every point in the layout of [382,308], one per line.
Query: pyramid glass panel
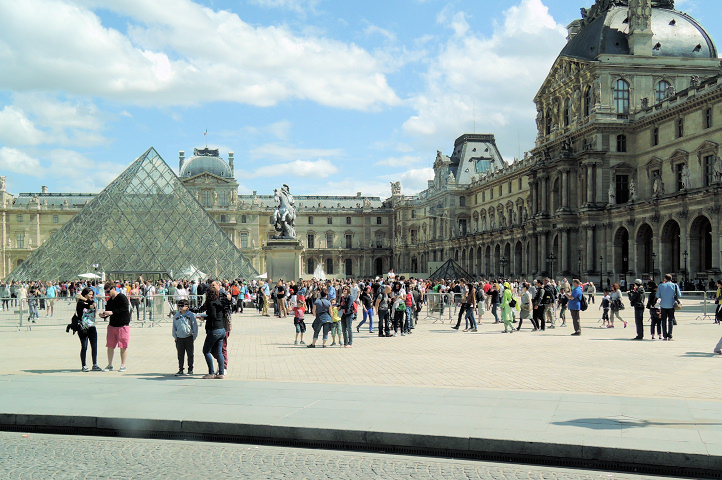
[452,271]
[145,221]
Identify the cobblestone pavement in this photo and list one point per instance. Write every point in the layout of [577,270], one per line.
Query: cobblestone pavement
[601,361]
[36,456]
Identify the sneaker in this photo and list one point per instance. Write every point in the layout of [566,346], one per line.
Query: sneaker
[551,326]
[96,368]
[718,352]
[190,371]
[296,342]
[179,374]
[395,334]
[576,334]
[85,368]
[465,330]
[303,343]
[403,334]
[563,325]
[122,368]
[109,368]
[455,328]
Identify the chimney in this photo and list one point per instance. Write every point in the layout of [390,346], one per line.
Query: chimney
[230,163]
[573,29]
[44,189]
[640,27]
[181,160]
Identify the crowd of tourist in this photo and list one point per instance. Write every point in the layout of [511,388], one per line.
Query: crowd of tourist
[388,306]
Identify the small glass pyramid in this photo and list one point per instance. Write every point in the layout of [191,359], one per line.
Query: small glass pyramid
[451,270]
[145,221]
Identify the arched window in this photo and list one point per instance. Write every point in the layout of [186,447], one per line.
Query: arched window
[660,93]
[548,123]
[588,100]
[621,97]
[567,112]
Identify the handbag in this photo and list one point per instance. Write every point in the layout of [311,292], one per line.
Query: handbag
[512,304]
[677,303]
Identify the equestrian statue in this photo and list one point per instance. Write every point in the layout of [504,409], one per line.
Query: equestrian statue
[284,218]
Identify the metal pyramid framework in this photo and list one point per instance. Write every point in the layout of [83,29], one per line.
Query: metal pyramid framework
[144,221]
[451,270]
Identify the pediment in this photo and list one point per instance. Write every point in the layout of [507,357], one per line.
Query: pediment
[564,69]
[206,178]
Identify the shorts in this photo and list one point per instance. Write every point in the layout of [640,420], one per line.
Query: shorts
[49,302]
[118,336]
[300,325]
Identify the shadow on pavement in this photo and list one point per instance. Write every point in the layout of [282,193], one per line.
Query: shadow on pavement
[61,370]
[699,354]
[613,423]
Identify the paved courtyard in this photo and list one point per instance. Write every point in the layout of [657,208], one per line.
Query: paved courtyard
[601,361]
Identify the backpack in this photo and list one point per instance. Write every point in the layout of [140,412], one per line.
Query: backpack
[583,305]
[384,303]
[401,307]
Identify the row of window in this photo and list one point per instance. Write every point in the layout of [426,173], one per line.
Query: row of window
[500,189]
[311,267]
[621,94]
[329,220]
[56,219]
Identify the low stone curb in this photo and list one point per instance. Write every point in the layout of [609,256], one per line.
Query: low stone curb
[499,450]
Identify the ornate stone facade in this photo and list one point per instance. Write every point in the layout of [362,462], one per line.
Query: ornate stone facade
[624,179]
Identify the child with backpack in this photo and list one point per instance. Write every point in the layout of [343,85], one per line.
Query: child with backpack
[604,306]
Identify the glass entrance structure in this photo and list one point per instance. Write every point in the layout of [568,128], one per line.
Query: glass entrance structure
[144,221]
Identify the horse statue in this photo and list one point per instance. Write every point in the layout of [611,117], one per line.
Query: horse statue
[284,217]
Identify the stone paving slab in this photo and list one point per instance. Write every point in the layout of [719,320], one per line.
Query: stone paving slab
[599,396]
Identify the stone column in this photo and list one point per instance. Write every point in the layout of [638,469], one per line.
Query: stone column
[589,239]
[716,243]
[599,190]
[684,241]
[589,185]
[544,200]
[564,249]
[565,189]
[543,251]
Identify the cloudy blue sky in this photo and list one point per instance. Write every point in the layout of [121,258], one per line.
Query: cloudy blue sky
[329,96]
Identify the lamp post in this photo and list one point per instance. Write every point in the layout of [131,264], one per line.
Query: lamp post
[624,267]
[579,263]
[654,257]
[685,255]
[502,262]
[601,271]
[551,259]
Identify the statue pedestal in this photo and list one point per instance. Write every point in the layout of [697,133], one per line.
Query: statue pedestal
[283,259]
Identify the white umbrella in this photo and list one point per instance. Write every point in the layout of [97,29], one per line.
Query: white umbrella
[263,275]
[88,275]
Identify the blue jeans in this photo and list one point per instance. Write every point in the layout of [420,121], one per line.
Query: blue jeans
[214,343]
[470,318]
[368,313]
[494,308]
[347,329]
[409,318]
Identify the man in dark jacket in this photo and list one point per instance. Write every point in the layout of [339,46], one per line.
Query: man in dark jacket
[636,299]
[538,312]
[117,311]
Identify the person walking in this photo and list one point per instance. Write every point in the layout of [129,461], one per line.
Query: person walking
[117,311]
[382,311]
[506,309]
[718,302]
[636,299]
[346,310]
[574,305]
[525,308]
[368,310]
[616,305]
[591,292]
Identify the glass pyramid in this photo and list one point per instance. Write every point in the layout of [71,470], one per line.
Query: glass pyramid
[144,222]
[451,270]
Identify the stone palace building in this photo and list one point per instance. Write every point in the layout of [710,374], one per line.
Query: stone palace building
[625,178]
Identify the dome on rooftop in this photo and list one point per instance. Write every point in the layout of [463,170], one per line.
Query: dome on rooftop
[206,161]
[675,34]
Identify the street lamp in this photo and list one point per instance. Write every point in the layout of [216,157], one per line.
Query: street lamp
[654,257]
[551,259]
[502,262]
[685,255]
[624,267]
[601,271]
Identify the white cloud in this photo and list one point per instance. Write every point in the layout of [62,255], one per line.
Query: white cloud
[17,129]
[299,6]
[487,84]
[15,161]
[299,168]
[177,52]
[372,30]
[398,162]
[272,152]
